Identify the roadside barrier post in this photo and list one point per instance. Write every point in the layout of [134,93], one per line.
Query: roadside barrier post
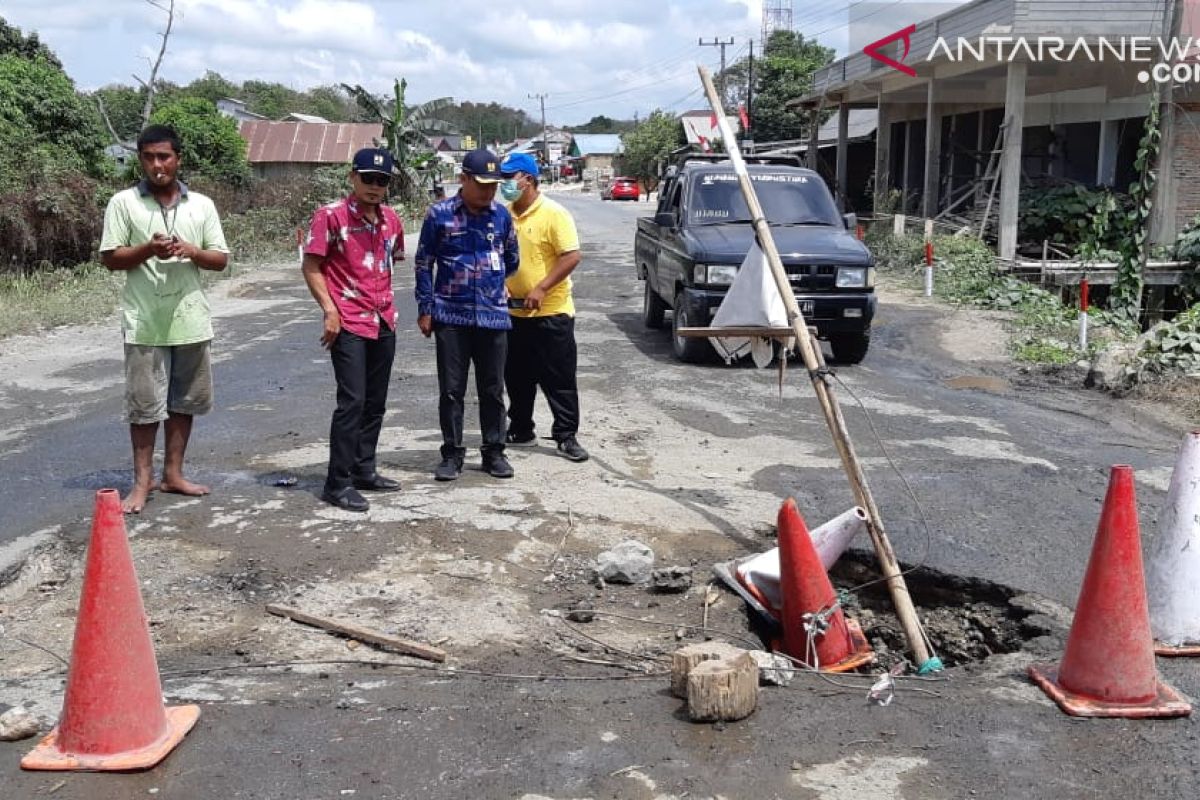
[1083,314]
[928,268]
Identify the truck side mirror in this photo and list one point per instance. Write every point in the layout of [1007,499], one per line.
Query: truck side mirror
[665,219]
[851,221]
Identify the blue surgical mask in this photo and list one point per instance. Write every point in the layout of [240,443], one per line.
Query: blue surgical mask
[509,189]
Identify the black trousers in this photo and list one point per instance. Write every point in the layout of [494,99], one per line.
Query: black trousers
[362,368]
[458,348]
[541,352]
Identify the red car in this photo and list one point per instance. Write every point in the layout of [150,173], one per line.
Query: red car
[621,189]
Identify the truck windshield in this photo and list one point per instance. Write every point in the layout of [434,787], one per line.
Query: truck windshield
[787,199]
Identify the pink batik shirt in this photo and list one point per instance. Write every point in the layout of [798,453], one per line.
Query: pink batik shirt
[357,261]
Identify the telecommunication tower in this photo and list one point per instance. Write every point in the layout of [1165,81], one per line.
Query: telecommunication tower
[776,15]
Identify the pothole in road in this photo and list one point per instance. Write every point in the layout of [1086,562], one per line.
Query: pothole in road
[967,620]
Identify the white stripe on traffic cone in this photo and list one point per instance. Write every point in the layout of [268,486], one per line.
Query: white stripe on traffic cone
[1173,570]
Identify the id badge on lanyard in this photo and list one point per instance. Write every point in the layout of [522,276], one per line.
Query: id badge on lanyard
[493,254]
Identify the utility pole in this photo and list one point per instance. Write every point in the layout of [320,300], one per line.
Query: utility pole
[750,94]
[718,43]
[541,98]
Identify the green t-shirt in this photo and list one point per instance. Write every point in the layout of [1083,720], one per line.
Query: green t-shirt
[163,303]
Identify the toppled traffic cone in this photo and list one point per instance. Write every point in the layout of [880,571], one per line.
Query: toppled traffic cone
[815,630]
[1108,667]
[1173,568]
[113,716]
[759,574]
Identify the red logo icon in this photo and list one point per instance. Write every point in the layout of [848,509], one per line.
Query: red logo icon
[903,35]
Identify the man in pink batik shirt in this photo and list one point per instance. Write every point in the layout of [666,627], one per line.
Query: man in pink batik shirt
[348,268]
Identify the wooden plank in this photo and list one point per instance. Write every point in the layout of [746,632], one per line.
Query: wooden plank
[734,333]
[393,643]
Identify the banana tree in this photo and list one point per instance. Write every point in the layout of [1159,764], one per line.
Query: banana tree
[404,131]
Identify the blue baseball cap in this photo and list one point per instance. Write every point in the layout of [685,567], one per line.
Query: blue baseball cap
[373,159]
[519,162]
[483,166]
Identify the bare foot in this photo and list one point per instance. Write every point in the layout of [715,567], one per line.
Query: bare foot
[183,486]
[135,501]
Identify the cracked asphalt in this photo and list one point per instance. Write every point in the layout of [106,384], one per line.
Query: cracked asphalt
[1009,470]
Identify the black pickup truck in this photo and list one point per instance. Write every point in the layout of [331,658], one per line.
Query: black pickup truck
[690,250]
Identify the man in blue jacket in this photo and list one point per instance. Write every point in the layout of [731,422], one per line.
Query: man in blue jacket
[468,246]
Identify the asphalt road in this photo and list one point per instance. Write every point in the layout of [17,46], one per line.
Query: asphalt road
[1009,478]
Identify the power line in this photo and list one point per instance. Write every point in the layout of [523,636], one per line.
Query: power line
[541,98]
[721,44]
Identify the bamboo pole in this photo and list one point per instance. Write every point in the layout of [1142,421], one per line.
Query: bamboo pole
[815,362]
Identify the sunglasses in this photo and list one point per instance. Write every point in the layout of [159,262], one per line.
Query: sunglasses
[375,178]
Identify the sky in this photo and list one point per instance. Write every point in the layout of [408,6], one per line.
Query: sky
[619,58]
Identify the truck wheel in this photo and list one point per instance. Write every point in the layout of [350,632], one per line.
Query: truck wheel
[689,351]
[653,307]
[849,348]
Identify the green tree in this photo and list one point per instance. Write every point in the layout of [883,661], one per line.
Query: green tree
[43,120]
[51,151]
[783,73]
[212,87]
[212,146]
[30,48]
[405,129]
[489,122]
[603,124]
[648,146]
[123,105]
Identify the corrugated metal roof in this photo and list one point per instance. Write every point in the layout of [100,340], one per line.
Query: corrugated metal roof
[307,142]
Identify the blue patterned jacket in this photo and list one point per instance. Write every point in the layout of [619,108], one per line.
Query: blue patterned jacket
[461,263]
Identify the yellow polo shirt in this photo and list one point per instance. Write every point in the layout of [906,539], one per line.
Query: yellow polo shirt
[544,232]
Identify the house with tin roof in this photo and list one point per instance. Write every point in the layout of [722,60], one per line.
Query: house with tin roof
[282,149]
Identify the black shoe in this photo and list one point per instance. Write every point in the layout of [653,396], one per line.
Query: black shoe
[347,499]
[377,483]
[497,466]
[448,470]
[521,439]
[570,449]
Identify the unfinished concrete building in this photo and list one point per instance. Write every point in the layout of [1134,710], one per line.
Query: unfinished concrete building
[982,103]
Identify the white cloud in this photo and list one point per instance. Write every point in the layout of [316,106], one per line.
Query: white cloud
[591,57]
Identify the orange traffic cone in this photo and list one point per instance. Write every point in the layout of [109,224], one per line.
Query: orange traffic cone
[1108,667]
[113,716]
[815,630]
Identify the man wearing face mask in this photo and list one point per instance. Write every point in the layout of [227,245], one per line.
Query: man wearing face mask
[348,268]
[541,344]
[467,248]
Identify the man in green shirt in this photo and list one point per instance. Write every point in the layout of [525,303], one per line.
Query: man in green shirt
[161,235]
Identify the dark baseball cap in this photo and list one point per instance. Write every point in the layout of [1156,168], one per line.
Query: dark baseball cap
[373,159]
[483,166]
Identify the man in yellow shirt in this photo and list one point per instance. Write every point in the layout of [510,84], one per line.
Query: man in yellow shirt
[541,344]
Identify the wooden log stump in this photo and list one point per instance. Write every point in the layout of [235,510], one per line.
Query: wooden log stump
[725,689]
[685,659]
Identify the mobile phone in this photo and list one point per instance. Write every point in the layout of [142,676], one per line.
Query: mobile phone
[516,302]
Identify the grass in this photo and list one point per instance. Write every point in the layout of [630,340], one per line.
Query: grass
[51,298]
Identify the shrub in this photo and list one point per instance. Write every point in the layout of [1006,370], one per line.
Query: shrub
[1061,215]
[51,218]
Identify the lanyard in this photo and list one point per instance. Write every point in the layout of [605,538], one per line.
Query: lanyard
[170,226]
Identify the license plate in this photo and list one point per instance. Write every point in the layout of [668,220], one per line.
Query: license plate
[806,307]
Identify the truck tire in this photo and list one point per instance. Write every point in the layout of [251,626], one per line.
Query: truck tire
[653,307]
[849,348]
[689,351]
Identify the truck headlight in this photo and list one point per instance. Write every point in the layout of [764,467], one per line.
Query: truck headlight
[717,274]
[852,278]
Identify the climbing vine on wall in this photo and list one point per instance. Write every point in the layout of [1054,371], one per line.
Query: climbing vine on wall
[1126,299]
